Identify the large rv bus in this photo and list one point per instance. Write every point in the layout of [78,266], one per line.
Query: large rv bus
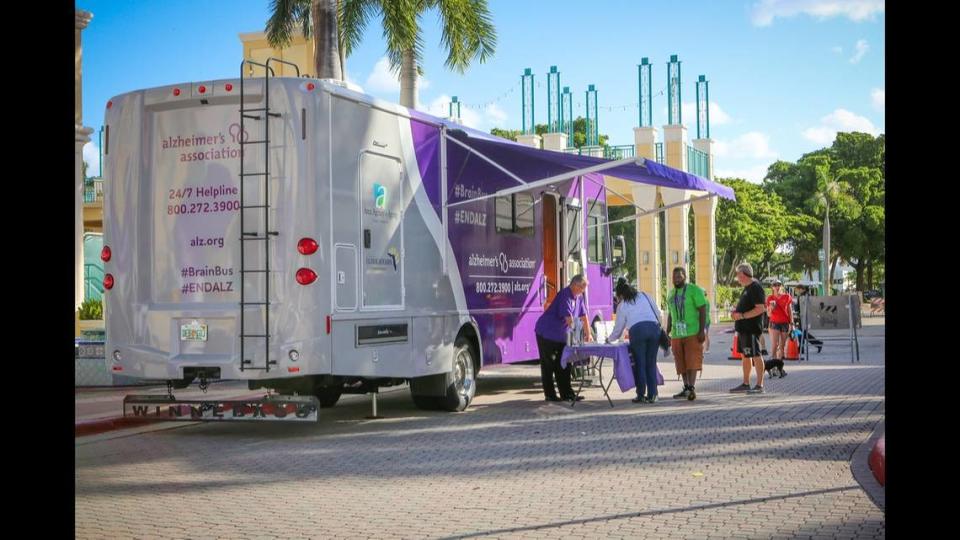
[314,240]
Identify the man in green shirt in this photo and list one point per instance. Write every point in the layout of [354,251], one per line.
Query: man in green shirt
[686,325]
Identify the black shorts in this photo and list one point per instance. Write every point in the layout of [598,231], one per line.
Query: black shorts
[780,327]
[748,344]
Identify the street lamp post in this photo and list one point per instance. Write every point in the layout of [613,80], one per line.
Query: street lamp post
[825,255]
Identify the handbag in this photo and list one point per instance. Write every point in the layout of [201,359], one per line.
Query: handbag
[664,338]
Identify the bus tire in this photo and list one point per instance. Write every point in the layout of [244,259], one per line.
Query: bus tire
[328,395]
[462,379]
[458,386]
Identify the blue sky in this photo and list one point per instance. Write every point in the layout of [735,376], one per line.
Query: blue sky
[785,75]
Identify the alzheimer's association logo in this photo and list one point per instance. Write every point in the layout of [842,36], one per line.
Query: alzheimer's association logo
[379,196]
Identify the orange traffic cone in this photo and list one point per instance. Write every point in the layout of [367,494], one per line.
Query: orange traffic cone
[734,353]
[793,350]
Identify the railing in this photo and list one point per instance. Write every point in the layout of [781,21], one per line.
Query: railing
[607,152]
[93,192]
[659,149]
[92,281]
[618,152]
[698,162]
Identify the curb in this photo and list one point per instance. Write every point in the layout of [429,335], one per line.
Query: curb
[860,467]
[878,460]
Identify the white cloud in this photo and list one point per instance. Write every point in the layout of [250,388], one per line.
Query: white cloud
[751,145]
[879,97]
[382,79]
[489,117]
[91,155]
[753,174]
[718,116]
[838,120]
[765,11]
[496,115]
[862,48]
[820,135]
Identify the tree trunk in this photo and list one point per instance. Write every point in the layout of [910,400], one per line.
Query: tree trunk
[326,39]
[870,274]
[340,50]
[408,80]
[833,268]
[860,267]
[733,268]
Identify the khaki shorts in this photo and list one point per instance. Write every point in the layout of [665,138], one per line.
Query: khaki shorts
[687,354]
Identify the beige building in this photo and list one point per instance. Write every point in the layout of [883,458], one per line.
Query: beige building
[299,52]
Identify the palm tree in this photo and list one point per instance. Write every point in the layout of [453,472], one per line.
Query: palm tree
[828,189]
[316,18]
[468,33]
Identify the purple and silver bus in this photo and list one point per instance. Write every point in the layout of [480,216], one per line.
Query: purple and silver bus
[314,240]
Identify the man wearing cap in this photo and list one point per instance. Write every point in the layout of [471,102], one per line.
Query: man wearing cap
[747,317]
[780,311]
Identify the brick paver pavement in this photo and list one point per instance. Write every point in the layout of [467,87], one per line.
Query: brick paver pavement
[513,466]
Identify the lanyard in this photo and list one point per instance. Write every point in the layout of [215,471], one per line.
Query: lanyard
[679,302]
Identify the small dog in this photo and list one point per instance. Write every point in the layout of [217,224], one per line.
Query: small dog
[774,367]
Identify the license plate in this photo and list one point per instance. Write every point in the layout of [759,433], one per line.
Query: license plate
[193,332]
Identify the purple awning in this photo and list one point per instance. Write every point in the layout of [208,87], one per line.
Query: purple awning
[532,164]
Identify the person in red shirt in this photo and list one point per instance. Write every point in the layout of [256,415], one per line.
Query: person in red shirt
[780,311]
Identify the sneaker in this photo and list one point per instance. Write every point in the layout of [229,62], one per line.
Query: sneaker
[651,399]
[692,395]
[743,388]
[755,390]
[685,393]
[639,399]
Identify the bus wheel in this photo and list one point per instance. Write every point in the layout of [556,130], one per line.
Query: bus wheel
[462,379]
[458,385]
[328,395]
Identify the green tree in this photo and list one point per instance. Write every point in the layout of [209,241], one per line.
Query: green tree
[860,162]
[511,134]
[751,228]
[579,133]
[847,177]
[468,33]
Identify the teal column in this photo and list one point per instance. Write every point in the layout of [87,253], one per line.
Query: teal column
[645,76]
[703,108]
[455,109]
[673,91]
[554,112]
[526,89]
[593,130]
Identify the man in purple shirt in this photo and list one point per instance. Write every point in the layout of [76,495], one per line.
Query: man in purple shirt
[552,328]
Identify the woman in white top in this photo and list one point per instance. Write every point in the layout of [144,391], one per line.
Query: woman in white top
[636,312]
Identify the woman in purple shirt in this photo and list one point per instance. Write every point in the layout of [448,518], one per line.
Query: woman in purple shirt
[551,329]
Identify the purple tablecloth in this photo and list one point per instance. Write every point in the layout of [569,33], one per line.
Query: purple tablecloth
[620,354]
